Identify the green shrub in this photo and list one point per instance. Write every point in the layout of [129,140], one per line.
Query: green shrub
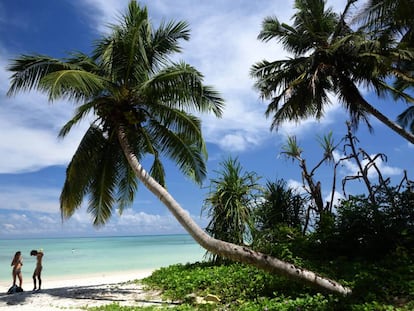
[306,303]
[232,283]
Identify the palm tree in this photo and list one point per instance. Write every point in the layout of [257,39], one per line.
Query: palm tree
[282,205]
[230,202]
[280,218]
[395,18]
[142,103]
[329,57]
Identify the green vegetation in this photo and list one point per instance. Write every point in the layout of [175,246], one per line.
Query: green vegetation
[365,240]
[331,56]
[229,204]
[242,287]
[369,247]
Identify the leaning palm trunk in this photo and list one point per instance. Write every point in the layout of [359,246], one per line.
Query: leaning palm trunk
[221,248]
[352,94]
[392,125]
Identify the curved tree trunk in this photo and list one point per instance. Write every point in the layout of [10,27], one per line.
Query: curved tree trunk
[392,125]
[353,95]
[221,248]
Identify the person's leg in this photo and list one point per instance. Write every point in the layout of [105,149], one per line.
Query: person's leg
[14,278]
[39,276]
[20,279]
[34,280]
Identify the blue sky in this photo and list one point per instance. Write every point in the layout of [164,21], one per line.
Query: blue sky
[223,46]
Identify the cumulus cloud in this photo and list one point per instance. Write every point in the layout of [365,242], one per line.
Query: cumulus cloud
[297,185]
[131,222]
[35,212]
[336,197]
[30,199]
[350,168]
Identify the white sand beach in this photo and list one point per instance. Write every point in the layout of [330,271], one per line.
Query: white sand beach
[77,292]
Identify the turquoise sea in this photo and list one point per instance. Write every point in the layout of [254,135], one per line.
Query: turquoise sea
[93,255]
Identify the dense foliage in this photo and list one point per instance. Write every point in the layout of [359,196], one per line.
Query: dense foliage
[229,204]
[380,286]
[330,56]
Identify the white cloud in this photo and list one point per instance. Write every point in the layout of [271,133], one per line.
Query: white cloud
[101,13]
[297,185]
[130,222]
[350,167]
[337,196]
[30,199]
[35,211]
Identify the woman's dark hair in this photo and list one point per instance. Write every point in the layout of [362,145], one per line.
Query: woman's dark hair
[33,253]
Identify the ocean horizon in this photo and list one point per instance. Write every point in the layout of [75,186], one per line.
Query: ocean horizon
[76,256]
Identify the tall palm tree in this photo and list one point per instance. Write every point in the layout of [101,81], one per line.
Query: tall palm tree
[230,202]
[395,18]
[142,103]
[329,57]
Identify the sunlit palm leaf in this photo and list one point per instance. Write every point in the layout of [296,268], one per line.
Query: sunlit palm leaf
[75,85]
[30,69]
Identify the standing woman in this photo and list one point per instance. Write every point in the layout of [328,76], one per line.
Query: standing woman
[38,270]
[17,264]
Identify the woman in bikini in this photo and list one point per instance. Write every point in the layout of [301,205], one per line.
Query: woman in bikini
[17,264]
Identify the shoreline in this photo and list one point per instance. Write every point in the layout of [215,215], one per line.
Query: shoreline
[93,279]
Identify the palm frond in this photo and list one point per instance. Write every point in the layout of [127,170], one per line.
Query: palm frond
[165,40]
[72,84]
[84,62]
[80,113]
[353,101]
[80,171]
[29,70]
[157,171]
[127,185]
[291,149]
[187,149]
[406,118]
[104,183]
[181,85]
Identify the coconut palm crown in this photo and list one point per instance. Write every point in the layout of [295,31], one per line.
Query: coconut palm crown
[395,17]
[329,57]
[128,84]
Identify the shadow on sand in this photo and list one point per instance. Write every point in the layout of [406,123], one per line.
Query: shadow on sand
[106,293]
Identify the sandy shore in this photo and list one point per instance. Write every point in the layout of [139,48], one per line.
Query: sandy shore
[80,291]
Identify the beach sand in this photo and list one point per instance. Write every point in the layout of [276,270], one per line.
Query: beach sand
[80,291]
